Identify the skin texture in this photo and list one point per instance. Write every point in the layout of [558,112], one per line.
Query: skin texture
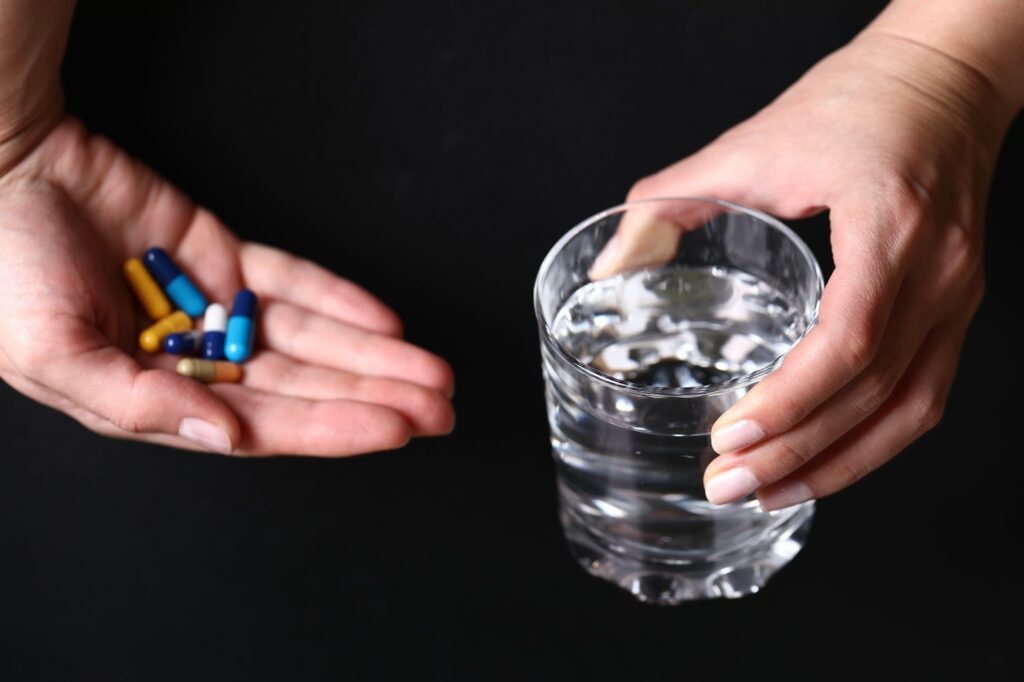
[896,135]
[332,378]
[897,140]
[331,375]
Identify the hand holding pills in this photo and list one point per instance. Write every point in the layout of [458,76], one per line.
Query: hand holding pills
[144,343]
[173,332]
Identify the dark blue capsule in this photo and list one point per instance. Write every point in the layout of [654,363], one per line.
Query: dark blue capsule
[213,345]
[244,304]
[184,343]
[161,266]
[178,286]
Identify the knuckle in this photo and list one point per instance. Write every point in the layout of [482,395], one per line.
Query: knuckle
[641,189]
[897,198]
[860,345]
[438,374]
[874,389]
[789,406]
[368,387]
[394,432]
[910,195]
[849,470]
[129,416]
[789,455]
[903,194]
[928,412]
[961,252]
[977,292]
[389,323]
[289,374]
[435,411]
[127,420]
[892,214]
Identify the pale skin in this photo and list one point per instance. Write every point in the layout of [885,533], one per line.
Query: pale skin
[332,377]
[896,135]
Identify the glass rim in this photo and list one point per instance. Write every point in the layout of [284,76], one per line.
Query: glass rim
[689,391]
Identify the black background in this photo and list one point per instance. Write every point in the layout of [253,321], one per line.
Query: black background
[433,152]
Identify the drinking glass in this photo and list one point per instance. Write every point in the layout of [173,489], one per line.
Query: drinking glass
[637,368]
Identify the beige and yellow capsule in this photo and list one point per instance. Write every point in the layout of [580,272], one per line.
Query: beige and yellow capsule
[153,338]
[149,293]
[210,371]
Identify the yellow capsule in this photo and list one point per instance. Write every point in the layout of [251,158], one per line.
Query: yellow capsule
[149,293]
[152,338]
[210,371]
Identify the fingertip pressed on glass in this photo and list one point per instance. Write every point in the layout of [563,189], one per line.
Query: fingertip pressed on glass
[705,298]
[178,286]
[241,329]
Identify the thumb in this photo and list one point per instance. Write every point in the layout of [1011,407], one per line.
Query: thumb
[144,403]
[649,233]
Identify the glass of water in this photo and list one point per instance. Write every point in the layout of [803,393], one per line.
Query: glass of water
[639,365]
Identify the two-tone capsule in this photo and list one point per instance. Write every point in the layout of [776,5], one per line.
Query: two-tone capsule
[182,343]
[151,339]
[241,327]
[149,293]
[176,283]
[210,371]
[214,325]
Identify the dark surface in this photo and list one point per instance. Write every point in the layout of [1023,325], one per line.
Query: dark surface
[433,154]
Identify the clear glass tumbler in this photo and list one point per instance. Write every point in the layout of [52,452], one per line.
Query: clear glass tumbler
[639,365]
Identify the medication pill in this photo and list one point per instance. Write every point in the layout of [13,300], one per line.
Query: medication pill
[151,339]
[209,371]
[177,285]
[214,325]
[149,293]
[182,343]
[241,327]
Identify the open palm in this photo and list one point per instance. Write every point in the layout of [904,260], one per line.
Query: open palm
[331,376]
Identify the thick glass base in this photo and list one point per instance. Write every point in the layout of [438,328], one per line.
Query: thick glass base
[667,580]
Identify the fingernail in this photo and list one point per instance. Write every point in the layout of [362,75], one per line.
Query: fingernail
[731,485]
[206,435]
[785,496]
[736,436]
[606,258]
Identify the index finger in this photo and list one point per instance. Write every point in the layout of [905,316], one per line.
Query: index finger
[649,234]
[854,311]
[289,278]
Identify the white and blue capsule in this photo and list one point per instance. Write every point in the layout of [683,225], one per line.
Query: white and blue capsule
[215,325]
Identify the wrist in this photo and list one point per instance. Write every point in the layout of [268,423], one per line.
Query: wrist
[25,122]
[34,34]
[944,85]
[982,36]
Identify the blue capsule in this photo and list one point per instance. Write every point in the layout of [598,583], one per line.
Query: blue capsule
[214,324]
[184,343]
[241,327]
[178,286]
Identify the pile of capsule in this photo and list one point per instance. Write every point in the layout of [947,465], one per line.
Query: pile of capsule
[224,343]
